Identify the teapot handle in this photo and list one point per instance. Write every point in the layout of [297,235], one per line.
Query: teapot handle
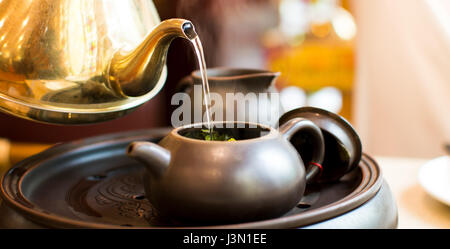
[293,126]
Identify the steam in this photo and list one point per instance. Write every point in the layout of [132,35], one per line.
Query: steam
[225,24]
[204,15]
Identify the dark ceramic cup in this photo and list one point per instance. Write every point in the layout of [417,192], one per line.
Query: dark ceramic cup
[259,176]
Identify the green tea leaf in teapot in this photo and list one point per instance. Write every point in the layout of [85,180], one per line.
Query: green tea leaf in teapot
[214,135]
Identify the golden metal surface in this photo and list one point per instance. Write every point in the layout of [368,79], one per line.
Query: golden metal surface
[71,62]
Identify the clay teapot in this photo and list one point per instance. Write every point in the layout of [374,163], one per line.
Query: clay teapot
[258,176]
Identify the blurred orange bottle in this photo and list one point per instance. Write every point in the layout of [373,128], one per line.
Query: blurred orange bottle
[313,47]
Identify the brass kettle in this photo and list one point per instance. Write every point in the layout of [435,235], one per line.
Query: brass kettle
[74,62]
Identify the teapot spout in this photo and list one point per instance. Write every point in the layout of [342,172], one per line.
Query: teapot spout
[154,157]
[137,72]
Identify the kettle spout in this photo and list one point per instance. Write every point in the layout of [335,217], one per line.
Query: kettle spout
[154,157]
[137,72]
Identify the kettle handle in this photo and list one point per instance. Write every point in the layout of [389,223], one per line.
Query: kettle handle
[292,127]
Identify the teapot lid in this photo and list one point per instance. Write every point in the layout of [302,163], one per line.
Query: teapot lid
[343,148]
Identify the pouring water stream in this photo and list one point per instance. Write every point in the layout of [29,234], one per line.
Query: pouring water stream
[190,32]
[202,66]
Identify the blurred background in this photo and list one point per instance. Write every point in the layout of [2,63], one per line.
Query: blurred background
[383,65]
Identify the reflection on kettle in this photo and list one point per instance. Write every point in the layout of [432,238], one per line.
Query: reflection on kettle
[73,62]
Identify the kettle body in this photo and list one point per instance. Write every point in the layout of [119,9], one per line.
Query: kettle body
[74,62]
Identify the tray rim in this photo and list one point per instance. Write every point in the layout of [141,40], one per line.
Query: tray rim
[10,185]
